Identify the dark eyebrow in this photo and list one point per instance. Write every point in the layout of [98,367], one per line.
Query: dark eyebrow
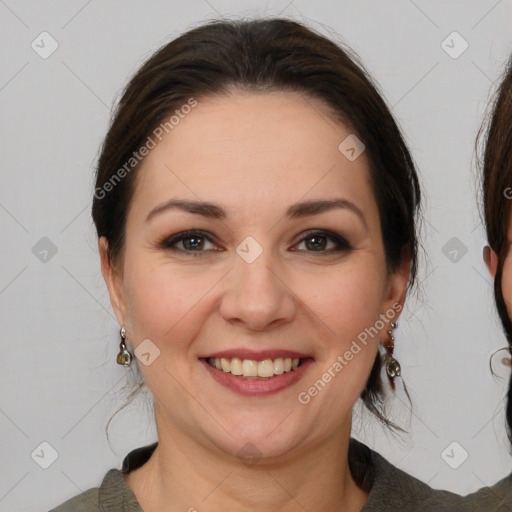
[295,211]
[319,206]
[198,207]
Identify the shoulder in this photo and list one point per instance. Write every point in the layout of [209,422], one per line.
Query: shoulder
[87,501]
[114,494]
[392,489]
[492,498]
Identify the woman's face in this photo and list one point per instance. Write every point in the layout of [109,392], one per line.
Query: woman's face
[263,280]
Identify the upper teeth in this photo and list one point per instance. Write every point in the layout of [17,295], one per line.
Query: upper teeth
[252,368]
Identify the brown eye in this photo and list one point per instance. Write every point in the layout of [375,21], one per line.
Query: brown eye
[318,241]
[190,241]
[195,242]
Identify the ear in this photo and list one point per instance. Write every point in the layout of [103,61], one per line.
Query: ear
[491,260]
[397,289]
[113,280]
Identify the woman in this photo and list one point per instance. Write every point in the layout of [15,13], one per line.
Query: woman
[255,205]
[497,194]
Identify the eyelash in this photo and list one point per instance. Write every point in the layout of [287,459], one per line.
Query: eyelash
[171,242]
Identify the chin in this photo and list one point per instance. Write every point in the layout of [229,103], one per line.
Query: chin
[267,437]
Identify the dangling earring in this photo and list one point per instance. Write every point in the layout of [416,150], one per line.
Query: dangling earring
[124,358]
[390,363]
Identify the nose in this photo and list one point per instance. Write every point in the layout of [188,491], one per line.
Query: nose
[257,295]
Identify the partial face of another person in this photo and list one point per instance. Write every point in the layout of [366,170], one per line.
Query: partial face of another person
[491,260]
[258,277]
[506,281]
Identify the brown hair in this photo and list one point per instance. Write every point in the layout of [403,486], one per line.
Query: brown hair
[496,182]
[264,55]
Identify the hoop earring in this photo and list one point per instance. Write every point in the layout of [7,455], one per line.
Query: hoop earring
[124,358]
[390,363]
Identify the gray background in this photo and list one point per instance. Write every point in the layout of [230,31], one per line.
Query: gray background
[59,380]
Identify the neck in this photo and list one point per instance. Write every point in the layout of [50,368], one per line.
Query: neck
[184,475]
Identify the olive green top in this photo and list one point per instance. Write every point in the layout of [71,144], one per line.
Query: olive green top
[497,498]
[390,489]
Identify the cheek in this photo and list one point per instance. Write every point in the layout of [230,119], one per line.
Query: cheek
[351,307]
[158,299]
[349,300]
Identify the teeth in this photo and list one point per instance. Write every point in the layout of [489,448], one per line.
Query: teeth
[236,366]
[278,366]
[266,368]
[225,365]
[250,368]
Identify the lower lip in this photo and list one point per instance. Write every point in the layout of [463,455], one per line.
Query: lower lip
[258,387]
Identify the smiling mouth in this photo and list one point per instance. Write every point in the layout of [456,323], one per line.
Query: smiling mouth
[252,369]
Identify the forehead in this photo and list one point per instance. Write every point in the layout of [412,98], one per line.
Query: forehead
[245,148]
